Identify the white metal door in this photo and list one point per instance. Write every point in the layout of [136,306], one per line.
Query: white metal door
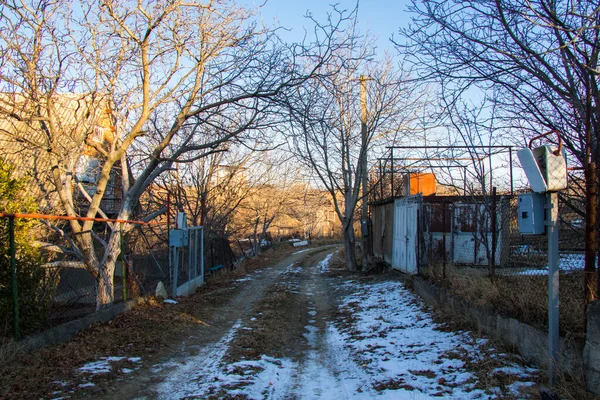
[404,256]
[411,239]
[399,236]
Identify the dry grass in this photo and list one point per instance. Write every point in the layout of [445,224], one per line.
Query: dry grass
[485,363]
[523,297]
[9,350]
[139,332]
[572,389]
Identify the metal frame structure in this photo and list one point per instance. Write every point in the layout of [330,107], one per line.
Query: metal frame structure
[392,168]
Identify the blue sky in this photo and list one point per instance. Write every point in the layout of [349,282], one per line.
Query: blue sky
[381,17]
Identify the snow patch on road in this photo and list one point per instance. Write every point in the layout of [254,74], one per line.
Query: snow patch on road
[386,347]
[194,375]
[293,269]
[301,251]
[323,266]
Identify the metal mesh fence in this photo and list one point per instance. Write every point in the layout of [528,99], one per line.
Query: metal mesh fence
[54,286]
[51,284]
[458,244]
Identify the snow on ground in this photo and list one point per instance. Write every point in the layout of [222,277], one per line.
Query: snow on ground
[567,262]
[301,251]
[401,347]
[386,347]
[323,266]
[103,366]
[293,269]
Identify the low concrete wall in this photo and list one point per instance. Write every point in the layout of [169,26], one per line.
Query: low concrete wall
[591,353]
[529,342]
[64,332]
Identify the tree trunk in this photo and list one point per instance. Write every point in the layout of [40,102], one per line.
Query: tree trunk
[349,247]
[254,241]
[105,292]
[590,233]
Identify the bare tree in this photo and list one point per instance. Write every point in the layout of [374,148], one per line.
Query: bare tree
[539,60]
[271,198]
[130,88]
[306,204]
[209,190]
[326,126]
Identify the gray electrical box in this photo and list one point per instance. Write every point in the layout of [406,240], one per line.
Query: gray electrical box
[364,227]
[178,237]
[532,213]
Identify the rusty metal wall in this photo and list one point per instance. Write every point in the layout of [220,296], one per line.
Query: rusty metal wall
[382,217]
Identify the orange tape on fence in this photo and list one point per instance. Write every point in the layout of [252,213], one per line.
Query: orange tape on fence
[71,218]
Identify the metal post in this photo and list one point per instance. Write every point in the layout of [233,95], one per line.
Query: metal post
[365,174]
[444,260]
[392,170]
[13,266]
[175,268]
[494,227]
[510,165]
[196,253]
[123,269]
[191,249]
[202,254]
[380,180]
[170,261]
[553,284]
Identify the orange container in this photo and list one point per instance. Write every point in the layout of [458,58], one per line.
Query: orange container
[420,183]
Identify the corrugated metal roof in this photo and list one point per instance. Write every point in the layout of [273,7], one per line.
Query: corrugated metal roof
[29,129]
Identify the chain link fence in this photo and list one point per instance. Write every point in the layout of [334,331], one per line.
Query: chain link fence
[53,286]
[459,239]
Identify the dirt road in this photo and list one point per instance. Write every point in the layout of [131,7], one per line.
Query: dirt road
[266,315]
[302,330]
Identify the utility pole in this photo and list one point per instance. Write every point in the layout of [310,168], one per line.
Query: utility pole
[553,285]
[365,173]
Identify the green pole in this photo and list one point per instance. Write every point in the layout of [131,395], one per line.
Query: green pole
[13,266]
[123,268]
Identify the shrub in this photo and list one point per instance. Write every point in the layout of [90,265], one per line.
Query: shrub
[33,281]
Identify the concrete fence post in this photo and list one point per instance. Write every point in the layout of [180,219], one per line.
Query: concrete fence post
[591,352]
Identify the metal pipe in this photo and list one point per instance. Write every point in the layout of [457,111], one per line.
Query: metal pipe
[553,285]
[13,267]
[74,218]
[447,147]
[440,159]
[365,177]
[392,168]
[510,170]
[493,218]
[123,269]
[202,253]
[444,260]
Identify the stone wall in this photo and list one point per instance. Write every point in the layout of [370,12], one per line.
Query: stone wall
[66,331]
